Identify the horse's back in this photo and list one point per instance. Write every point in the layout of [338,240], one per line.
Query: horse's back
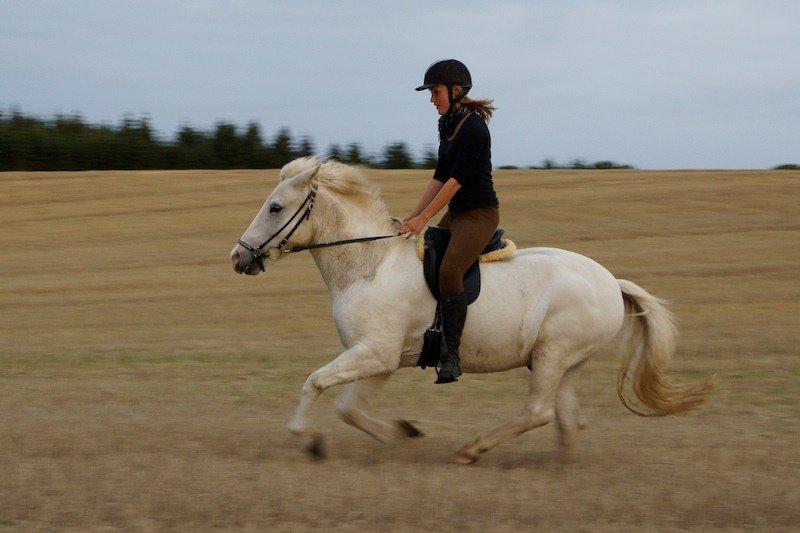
[542,284]
[547,265]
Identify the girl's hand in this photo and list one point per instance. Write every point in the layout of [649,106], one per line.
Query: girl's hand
[413,225]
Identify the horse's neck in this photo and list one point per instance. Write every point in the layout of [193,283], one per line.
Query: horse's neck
[343,265]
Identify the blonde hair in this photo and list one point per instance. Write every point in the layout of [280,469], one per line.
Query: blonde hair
[482,106]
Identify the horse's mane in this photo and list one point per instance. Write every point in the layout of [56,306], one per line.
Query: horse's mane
[346,180]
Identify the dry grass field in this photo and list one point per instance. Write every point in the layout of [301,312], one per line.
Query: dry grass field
[143,384]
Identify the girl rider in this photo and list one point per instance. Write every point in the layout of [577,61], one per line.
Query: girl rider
[463,181]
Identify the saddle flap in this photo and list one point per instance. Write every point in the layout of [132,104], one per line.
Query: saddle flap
[436,241]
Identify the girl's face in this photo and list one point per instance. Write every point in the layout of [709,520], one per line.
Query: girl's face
[439,99]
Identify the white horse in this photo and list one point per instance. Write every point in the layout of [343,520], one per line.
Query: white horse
[543,307]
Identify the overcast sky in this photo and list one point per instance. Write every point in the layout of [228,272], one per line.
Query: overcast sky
[673,84]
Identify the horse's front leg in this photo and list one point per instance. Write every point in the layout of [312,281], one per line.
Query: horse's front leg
[355,396]
[357,362]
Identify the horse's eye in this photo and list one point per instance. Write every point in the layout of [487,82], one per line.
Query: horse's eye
[274,208]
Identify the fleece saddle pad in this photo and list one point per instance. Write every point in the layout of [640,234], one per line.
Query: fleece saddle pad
[432,246]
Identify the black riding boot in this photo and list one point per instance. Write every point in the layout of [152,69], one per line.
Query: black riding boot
[454,313]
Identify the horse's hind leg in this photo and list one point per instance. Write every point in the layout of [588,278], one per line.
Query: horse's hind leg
[568,416]
[568,385]
[548,369]
[356,395]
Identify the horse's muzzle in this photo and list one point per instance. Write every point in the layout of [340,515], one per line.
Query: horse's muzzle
[243,262]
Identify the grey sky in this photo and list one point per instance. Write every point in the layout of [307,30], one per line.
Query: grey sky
[656,84]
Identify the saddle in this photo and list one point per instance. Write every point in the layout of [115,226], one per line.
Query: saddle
[433,245]
[431,248]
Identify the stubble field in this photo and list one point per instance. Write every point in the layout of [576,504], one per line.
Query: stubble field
[143,384]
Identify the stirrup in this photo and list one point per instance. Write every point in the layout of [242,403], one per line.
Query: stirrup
[442,380]
[449,378]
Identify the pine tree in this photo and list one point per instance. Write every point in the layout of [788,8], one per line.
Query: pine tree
[335,152]
[226,145]
[396,155]
[283,147]
[354,155]
[306,147]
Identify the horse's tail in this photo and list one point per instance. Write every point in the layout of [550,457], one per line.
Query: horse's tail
[649,338]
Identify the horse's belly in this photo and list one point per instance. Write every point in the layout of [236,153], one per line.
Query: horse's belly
[499,332]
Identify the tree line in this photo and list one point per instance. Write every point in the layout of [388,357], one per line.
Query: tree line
[68,142]
[551,164]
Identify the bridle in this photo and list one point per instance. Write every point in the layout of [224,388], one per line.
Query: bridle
[259,253]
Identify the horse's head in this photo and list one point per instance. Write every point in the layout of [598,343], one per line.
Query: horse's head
[280,223]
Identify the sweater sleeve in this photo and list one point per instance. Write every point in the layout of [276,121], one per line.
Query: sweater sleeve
[438,174]
[472,140]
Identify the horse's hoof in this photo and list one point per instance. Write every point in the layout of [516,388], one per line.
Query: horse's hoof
[316,448]
[464,458]
[408,429]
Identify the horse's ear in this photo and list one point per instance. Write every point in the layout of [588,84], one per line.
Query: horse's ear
[306,176]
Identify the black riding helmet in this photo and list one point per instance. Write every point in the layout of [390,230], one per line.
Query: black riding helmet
[448,72]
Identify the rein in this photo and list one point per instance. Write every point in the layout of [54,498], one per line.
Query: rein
[259,252]
[337,243]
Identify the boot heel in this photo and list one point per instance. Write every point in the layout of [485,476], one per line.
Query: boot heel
[440,379]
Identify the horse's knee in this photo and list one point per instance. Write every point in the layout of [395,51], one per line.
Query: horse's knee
[313,384]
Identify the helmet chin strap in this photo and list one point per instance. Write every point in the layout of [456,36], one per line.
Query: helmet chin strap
[453,101]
